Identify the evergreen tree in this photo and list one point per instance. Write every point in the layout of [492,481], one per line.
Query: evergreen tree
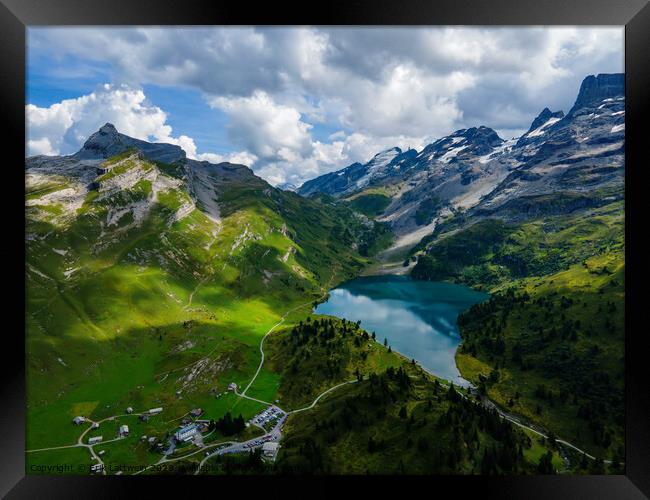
[545,465]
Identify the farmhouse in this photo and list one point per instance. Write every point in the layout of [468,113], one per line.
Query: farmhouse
[155,411]
[124,430]
[78,420]
[129,410]
[95,439]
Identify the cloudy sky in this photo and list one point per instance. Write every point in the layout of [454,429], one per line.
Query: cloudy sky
[294,103]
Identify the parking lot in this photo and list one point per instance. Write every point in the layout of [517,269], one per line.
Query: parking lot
[269,418]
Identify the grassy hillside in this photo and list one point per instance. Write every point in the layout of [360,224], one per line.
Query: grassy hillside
[400,421]
[136,298]
[491,252]
[556,343]
[549,344]
[321,352]
[370,203]
[393,409]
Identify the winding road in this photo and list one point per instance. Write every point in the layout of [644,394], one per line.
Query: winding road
[81,444]
[275,434]
[321,395]
[259,368]
[519,421]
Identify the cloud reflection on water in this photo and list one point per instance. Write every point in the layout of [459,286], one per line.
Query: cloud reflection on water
[425,331]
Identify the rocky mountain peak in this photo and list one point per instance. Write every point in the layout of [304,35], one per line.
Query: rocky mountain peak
[597,88]
[107,142]
[544,117]
[482,135]
[107,129]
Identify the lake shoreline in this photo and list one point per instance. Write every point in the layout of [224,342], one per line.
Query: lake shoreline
[418,319]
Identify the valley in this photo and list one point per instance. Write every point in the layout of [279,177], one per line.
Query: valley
[157,281]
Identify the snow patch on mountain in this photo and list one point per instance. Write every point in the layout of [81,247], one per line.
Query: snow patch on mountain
[504,148]
[374,166]
[451,154]
[540,130]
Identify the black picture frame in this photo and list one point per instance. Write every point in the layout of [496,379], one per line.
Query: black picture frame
[16,15]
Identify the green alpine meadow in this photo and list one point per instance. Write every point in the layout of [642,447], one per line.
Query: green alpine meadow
[338,289]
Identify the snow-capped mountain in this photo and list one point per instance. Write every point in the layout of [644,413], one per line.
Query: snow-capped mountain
[579,159]
[389,163]
[476,170]
[540,125]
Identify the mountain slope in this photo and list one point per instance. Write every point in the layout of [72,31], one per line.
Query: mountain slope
[563,162]
[151,283]
[548,242]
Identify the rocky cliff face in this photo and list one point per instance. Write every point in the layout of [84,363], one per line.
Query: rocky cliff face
[580,153]
[597,88]
[87,170]
[543,118]
[180,218]
[107,142]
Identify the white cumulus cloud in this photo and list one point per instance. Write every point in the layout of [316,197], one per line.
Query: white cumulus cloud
[63,127]
[379,86]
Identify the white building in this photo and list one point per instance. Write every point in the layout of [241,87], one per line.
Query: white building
[95,439]
[124,430]
[78,420]
[186,433]
[129,410]
[270,449]
[155,411]
[97,467]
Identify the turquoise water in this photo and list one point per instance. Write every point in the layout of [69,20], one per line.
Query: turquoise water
[417,317]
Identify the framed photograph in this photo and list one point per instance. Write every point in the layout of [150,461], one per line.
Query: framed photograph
[377,243]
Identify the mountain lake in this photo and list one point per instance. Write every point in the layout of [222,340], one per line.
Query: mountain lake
[418,318]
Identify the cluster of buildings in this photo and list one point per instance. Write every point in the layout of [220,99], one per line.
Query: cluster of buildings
[194,427]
